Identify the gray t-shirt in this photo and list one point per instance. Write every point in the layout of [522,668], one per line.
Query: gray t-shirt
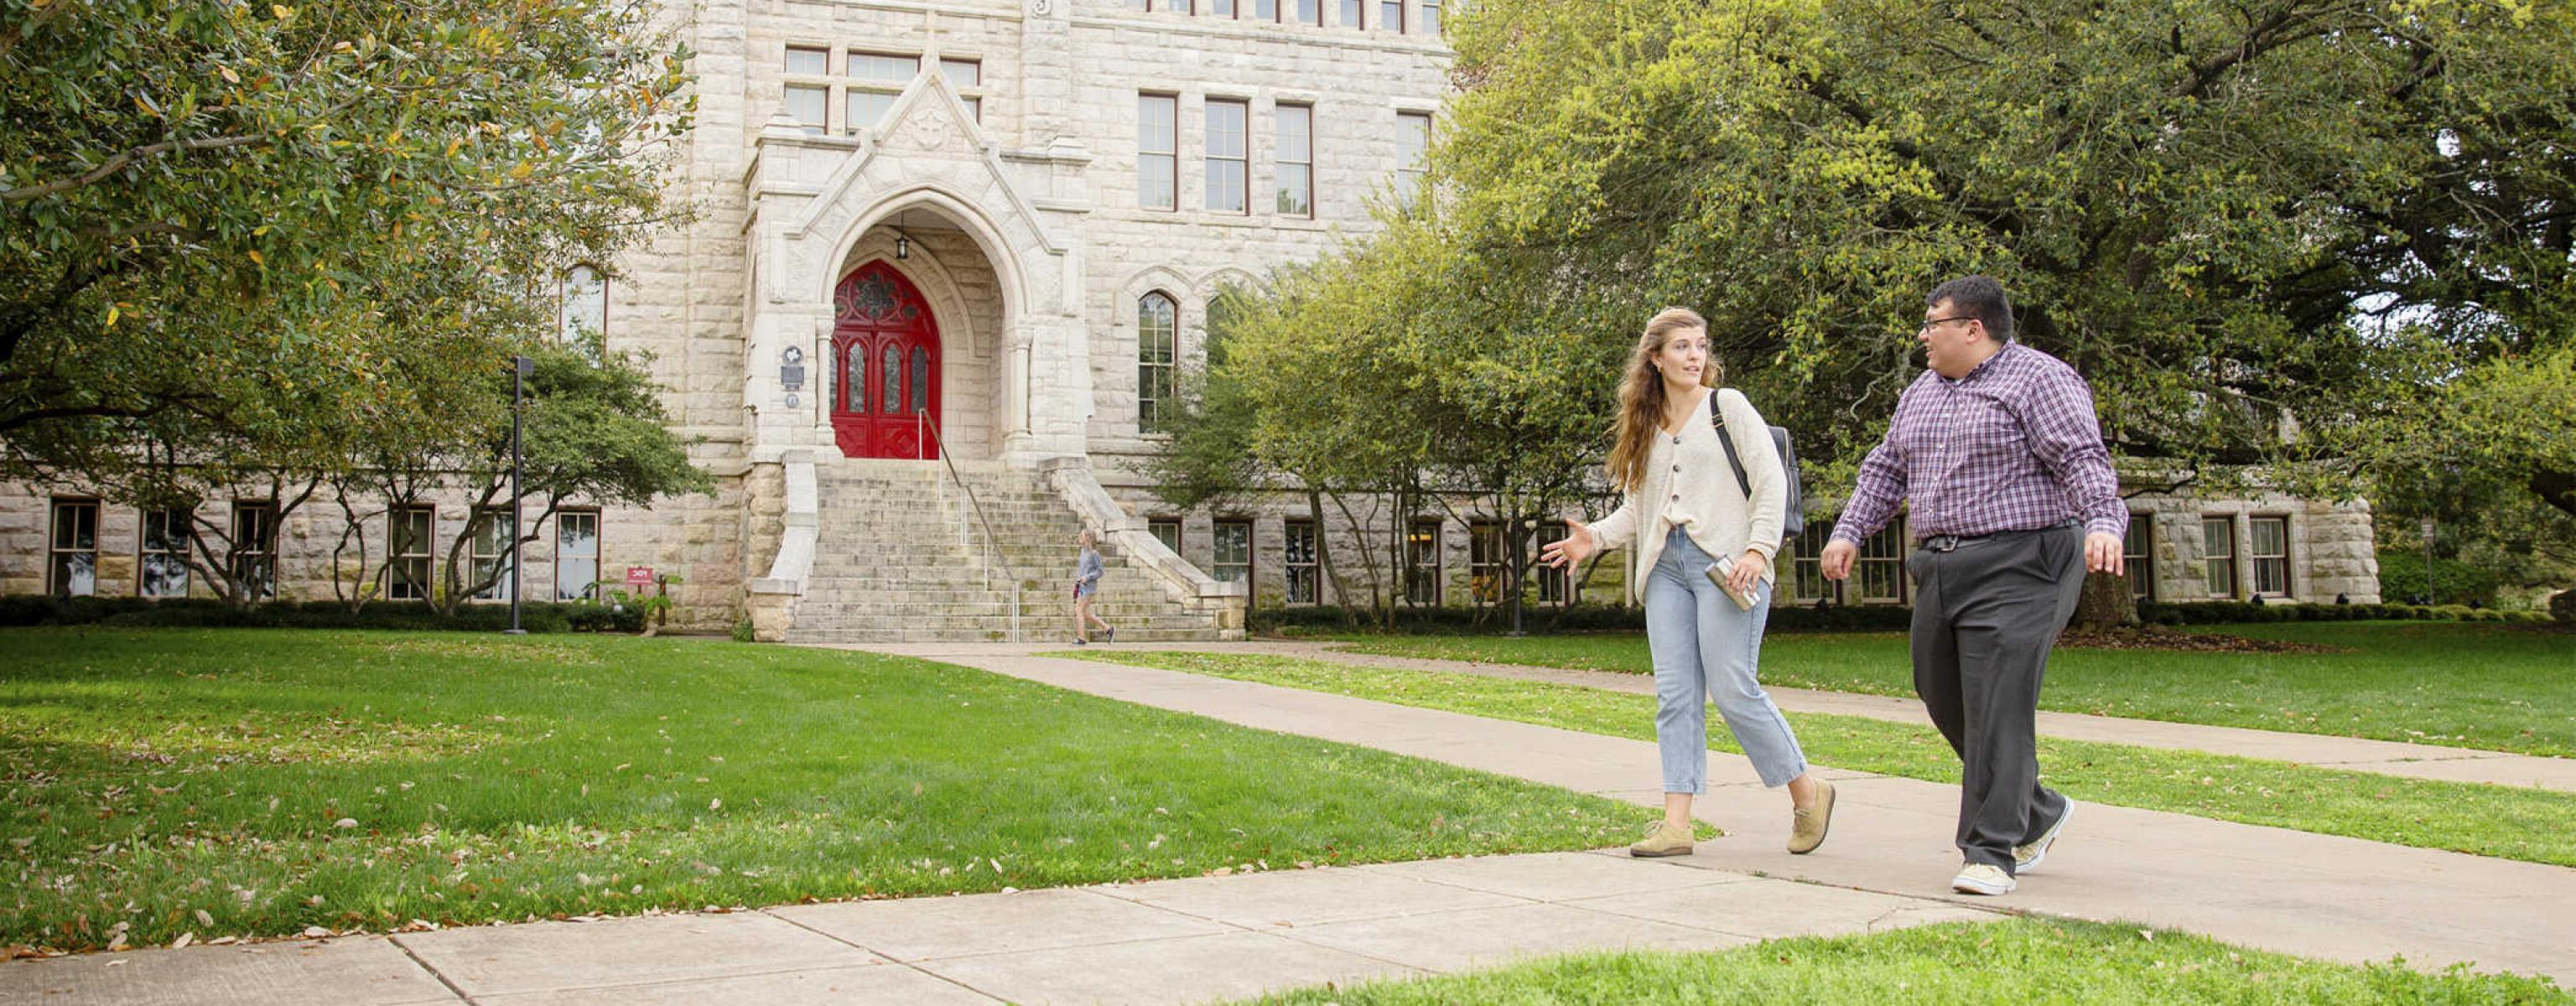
[1089,570]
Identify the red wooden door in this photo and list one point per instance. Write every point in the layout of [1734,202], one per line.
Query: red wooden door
[885,352]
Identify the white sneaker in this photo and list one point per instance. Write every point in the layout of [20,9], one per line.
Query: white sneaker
[1983,878]
[2027,857]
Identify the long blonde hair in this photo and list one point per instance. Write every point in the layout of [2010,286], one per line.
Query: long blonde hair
[1641,395]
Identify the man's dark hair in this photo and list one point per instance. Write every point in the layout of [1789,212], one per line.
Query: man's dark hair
[1979,297]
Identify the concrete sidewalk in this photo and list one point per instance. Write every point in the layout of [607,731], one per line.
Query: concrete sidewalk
[1172,941]
[2352,754]
[2316,895]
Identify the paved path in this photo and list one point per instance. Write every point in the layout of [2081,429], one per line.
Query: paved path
[2315,895]
[1171,941]
[2352,754]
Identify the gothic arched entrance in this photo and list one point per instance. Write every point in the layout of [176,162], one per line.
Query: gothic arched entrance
[885,351]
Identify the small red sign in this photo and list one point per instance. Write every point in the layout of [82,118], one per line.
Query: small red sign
[639,576]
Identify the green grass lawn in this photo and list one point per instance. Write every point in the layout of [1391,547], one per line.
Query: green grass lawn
[257,782]
[2024,960]
[2514,823]
[2481,685]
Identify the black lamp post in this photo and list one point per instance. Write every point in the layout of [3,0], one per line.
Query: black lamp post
[521,368]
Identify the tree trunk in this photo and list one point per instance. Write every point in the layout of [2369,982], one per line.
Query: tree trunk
[2106,603]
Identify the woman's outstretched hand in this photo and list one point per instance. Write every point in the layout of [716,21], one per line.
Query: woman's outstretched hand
[1578,544]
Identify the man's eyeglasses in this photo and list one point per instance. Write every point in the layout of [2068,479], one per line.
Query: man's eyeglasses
[1927,326]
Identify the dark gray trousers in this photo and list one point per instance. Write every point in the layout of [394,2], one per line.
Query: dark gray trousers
[1985,615]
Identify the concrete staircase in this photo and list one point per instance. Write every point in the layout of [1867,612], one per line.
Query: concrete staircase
[900,558]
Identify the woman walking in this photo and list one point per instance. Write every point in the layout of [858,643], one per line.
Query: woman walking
[1699,536]
[1086,582]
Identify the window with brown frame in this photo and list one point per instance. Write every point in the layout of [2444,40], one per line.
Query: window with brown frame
[1487,567]
[1229,144]
[2137,555]
[1422,561]
[1427,20]
[408,566]
[1880,570]
[1308,12]
[1390,16]
[254,554]
[2268,548]
[1295,150]
[1304,572]
[163,569]
[1158,341]
[491,554]
[1555,585]
[576,554]
[1806,561]
[1233,551]
[1353,13]
[1158,179]
[2218,552]
[1166,530]
[71,567]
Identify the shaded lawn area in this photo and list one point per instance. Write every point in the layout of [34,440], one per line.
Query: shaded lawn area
[2514,823]
[2466,684]
[2025,960]
[247,782]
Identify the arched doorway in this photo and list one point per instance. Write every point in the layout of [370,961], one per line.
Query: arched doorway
[885,348]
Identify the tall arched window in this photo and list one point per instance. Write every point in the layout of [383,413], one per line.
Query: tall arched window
[1158,339]
[584,313]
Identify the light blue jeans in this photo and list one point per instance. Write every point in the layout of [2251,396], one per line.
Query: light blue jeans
[1706,646]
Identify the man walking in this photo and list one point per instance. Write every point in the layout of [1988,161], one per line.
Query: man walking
[1998,453]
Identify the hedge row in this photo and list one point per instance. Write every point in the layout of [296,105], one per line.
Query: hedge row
[204,613]
[1881,618]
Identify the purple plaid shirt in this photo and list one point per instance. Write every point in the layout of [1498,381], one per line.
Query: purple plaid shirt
[2012,446]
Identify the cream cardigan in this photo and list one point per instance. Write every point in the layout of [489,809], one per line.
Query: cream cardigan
[1690,485]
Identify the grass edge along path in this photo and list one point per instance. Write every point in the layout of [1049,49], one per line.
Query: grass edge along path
[2027,959]
[244,783]
[2531,825]
[2503,687]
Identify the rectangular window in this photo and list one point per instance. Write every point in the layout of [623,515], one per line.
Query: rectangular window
[868,108]
[1310,12]
[164,569]
[1228,180]
[2270,553]
[2137,551]
[806,103]
[1808,560]
[73,567]
[1427,22]
[255,548]
[1422,562]
[1265,10]
[407,544]
[2218,549]
[1413,144]
[1158,345]
[1233,551]
[808,61]
[884,68]
[1220,8]
[967,76]
[1555,586]
[1390,15]
[1487,567]
[1166,530]
[492,555]
[1158,179]
[1304,574]
[1351,13]
[1880,570]
[1296,152]
[576,555]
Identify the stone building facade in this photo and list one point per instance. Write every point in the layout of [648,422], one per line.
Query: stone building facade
[948,259]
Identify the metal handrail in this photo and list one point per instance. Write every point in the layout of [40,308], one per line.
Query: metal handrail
[992,543]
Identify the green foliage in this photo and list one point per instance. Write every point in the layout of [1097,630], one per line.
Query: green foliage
[2227,217]
[2562,607]
[2401,576]
[240,228]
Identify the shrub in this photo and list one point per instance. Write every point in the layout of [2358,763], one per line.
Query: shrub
[206,613]
[2562,606]
[2401,576]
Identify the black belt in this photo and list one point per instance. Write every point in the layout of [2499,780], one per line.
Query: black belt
[1951,542]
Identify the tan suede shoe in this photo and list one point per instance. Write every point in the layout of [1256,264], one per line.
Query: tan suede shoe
[1807,824]
[1665,840]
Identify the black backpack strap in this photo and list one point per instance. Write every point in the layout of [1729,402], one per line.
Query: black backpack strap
[1717,420]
